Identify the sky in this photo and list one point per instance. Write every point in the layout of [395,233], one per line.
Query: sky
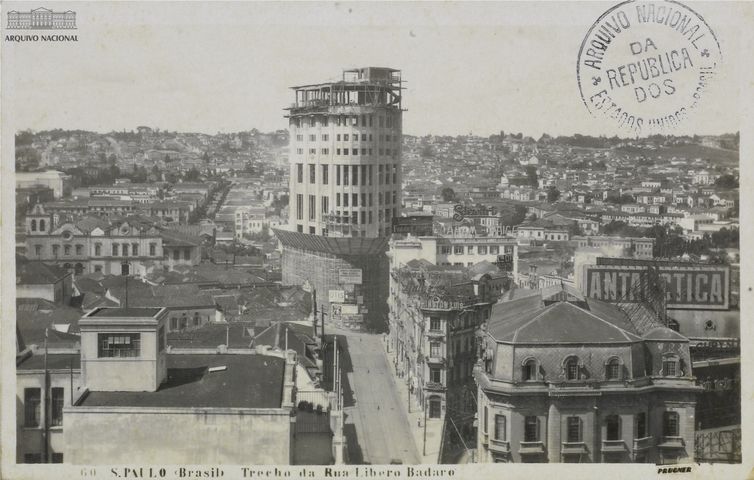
[222,67]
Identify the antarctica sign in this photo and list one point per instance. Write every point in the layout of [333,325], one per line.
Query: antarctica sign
[693,287]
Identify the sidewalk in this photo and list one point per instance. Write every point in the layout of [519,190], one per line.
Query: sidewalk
[430,453]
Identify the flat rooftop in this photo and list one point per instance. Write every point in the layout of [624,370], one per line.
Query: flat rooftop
[55,361]
[248,381]
[124,312]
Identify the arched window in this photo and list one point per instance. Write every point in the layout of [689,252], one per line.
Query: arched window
[671,365]
[612,427]
[41,225]
[529,371]
[572,368]
[33,225]
[613,369]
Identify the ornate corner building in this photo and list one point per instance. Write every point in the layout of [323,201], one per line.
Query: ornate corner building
[567,379]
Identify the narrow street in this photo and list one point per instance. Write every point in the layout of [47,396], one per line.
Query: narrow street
[376,426]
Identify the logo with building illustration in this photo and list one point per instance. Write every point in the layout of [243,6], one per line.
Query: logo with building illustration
[42,19]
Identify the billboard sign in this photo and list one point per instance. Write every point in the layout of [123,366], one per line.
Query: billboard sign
[337,296]
[349,276]
[704,287]
[348,309]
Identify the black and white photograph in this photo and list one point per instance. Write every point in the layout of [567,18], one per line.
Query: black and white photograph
[375,239]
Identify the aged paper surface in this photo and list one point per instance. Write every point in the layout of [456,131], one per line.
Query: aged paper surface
[375,240]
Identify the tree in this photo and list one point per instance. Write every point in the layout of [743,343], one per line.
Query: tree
[553,194]
[531,175]
[192,175]
[726,182]
[448,194]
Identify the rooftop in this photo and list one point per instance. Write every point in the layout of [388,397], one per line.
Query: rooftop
[248,381]
[55,361]
[124,312]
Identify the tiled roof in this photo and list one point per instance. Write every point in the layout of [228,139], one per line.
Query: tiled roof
[37,273]
[527,320]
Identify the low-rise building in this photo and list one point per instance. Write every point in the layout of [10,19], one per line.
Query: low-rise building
[632,246]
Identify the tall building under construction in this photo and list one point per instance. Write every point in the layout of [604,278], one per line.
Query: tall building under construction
[345,190]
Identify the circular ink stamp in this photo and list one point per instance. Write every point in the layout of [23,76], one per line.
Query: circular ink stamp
[645,65]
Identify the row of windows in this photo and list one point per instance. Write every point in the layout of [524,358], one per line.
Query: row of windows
[366,199]
[125,248]
[345,121]
[350,174]
[574,369]
[574,427]
[41,225]
[461,249]
[33,407]
[353,151]
[343,200]
[346,137]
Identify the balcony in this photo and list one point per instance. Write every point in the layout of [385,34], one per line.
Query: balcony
[613,446]
[435,360]
[500,446]
[531,448]
[643,443]
[573,448]
[672,442]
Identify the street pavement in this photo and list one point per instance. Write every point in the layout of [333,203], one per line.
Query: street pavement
[376,425]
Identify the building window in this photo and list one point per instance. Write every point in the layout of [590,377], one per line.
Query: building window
[152,249]
[312,207]
[434,323]
[572,368]
[482,249]
[325,204]
[32,458]
[458,249]
[187,254]
[500,433]
[134,249]
[124,248]
[299,206]
[641,425]
[56,419]
[300,172]
[435,407]
[122,345]
[161,339]
[530,370]
[345,174]
[325,172]
[573,429]
[434,350]
[670,366]
[66,249]
[435,375]
[32,407]
[670,424]
[33,225]
[38,249]
[312,173]
[57,457]
[176,254]
[612,427]
[79,249]
[41,225]
[531,428]
[613,369]
[485,420]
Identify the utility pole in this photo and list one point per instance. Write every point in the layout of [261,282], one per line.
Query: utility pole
[424,449]
[46,403]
